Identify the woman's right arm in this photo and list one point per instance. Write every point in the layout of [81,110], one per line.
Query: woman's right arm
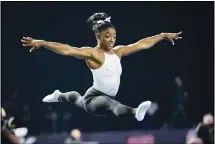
[63,49]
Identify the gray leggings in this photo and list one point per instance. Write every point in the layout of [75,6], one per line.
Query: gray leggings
[97,103]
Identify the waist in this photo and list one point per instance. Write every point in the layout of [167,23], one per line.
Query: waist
[109,87]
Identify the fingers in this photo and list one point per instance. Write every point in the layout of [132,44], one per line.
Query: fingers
[28,38]
[32,49]
[177,38]
[173,43]
[27,45]
[24,41]
[27,41]
[179,33]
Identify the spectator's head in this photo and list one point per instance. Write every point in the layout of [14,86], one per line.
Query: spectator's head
[76,134]
[208,119]
[3,113]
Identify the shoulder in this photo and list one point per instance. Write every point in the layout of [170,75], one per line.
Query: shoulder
[95,53]
[85,48]
[119,50]
[89,49]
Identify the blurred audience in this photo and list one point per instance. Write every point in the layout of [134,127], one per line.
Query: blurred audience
[75,137]
[205,129]
[7,134]
[203,133]
[192,137]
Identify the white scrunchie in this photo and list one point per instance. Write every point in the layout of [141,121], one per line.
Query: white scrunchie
[106,20]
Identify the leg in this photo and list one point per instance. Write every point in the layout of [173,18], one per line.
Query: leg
[104,105]
[125,111]
[99,105]
[72,97]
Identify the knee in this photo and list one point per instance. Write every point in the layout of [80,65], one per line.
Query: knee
[121,111]
[102,101]
[118,110]
[74,93]
[71,96]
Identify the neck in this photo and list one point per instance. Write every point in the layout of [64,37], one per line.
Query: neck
[109,51]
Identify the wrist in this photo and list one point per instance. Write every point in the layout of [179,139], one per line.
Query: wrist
[163,35]
[43,43]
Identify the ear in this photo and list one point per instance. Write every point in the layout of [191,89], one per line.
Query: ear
[97,35]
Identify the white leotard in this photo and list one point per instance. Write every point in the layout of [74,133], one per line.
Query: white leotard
[106,79]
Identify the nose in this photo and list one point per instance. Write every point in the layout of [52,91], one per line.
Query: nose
[112,39]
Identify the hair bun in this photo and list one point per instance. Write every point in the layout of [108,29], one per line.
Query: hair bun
[92,20]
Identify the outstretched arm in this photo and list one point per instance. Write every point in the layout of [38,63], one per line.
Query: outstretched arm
[146,43]
[63,49]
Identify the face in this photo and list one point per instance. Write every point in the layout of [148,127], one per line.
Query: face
[107,38]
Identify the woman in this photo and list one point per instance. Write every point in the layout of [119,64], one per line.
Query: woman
[104,63]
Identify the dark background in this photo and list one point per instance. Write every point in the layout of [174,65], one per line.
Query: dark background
[147,75]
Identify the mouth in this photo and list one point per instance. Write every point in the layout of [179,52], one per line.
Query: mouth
[110,44]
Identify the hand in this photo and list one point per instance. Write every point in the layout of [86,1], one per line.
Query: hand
[35,44]
[173,36]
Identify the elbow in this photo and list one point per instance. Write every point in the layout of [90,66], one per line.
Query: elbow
[147,46]
[65,51]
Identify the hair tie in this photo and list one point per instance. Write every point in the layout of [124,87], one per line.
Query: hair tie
[106,20]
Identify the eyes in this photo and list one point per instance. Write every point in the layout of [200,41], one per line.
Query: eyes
[109,36]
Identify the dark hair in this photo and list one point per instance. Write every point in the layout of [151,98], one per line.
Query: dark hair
[98,27]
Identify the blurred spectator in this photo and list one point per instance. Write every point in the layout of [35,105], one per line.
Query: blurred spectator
[75,137]
[205,129]
[8,136]
[192,137]
[53,118]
